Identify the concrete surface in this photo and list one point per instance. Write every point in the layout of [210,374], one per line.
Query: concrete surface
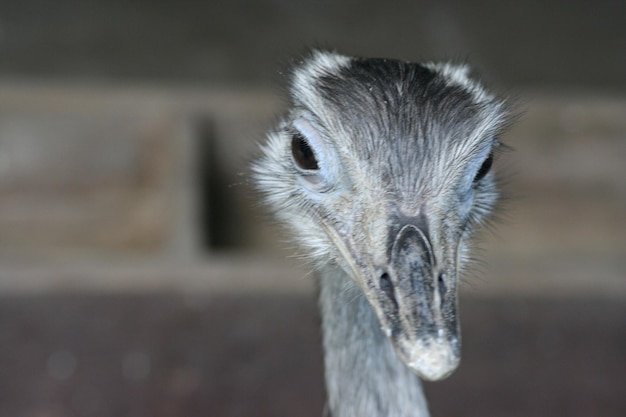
[160,355]
[570,45]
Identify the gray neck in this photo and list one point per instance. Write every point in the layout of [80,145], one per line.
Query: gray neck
[364,376]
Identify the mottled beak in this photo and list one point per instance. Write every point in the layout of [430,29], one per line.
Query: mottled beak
[416,302]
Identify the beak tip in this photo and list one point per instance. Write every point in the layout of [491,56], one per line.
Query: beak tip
[433,360]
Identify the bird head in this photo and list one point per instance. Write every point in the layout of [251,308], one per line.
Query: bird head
[383,168]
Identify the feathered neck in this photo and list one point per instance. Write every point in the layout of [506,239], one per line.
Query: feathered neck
[364,376]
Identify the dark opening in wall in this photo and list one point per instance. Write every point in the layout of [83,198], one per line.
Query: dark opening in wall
[220,217]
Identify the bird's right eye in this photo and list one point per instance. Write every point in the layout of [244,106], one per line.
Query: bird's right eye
[484,168]
[302,153]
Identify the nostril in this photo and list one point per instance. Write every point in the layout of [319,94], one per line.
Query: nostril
[441,284]
[385,282]
[387,287]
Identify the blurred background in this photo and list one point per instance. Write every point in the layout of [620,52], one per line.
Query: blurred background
[140,277]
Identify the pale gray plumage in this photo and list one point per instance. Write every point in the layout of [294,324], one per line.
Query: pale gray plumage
[381,169]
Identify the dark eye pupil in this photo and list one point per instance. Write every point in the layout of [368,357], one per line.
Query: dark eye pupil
[302,153]
[484,168]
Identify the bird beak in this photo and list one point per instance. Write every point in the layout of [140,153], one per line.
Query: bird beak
[416,302]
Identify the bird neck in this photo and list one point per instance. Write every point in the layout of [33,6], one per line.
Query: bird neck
[364,376]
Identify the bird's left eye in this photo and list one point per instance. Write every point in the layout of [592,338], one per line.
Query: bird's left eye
[484,168]
[302,153]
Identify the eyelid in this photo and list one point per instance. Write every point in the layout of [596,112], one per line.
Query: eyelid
[317,180]
[303,153]
[484,169]
[473,166]
[309,130]
[325,178]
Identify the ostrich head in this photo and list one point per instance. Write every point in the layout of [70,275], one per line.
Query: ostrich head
[382,168]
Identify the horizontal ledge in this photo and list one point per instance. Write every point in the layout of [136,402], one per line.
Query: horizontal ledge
[216,274]
[241,275]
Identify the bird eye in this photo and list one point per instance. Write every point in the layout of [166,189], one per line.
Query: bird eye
[484,168]
[303,155]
